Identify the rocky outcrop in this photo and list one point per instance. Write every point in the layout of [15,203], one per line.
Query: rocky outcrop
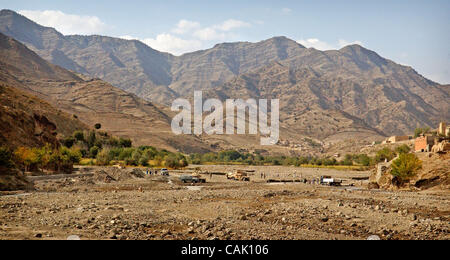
[433,175]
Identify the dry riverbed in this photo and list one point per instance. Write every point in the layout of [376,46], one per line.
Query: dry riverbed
[108,203]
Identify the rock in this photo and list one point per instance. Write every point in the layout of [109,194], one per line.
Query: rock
[324,219]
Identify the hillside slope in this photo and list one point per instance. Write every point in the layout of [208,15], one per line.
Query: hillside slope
[29,121]
[92,101]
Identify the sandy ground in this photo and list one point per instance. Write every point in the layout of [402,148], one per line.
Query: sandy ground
[105,203]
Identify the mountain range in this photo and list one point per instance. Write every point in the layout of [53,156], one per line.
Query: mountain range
[328,96]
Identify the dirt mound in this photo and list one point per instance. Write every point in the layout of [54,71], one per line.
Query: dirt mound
[109,175]
[435,172]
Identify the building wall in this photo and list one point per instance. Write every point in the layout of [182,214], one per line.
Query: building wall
[424,143]
[395,139]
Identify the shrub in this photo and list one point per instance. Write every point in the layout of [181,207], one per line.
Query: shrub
[68,142]
[98,126]
[93,152]
[171,161]
[420,131]
[403,149]
[104,158]
[363,159]
[79,136]
[406,166]
[385,154]
[126,143]
[73,155]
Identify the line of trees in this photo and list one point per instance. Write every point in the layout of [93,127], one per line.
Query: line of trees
[230,157]
[105,150]
[48,158]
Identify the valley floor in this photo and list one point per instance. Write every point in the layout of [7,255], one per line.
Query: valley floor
[92,205]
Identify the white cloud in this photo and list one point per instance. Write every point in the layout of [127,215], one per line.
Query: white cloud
[323,46]
[209,34]
[194,36]
[185,26]
[316,44]
[231,24]
[168,43]
[67,24]
[220,31]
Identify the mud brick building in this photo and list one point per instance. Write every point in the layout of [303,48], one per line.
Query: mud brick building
[424,143]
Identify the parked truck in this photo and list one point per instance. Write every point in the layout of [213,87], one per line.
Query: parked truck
[238,175]
[194,178]
[328,180]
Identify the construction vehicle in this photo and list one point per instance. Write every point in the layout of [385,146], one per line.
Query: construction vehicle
[238,175]
[328,180]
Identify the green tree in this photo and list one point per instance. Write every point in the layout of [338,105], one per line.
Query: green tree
[385,154]
[68,142]
[402,149]
[363,159]
[420,131]
[171,161]
[144,159]
[94,151]
[126,143]
[104,158]
[406,166]
[92,138]
[79,136]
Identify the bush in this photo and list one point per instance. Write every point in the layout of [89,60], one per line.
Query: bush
[98,126]
[363,159]
[74,155]
[403,149]
[406,166]
[385,154]
[79,136]
[420,131]
[68,142]
[171,161]
[104,158]
[126,143]
[6,157]
[93,152]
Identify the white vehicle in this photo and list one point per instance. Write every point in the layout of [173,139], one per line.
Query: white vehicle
[164,172]
[327,180]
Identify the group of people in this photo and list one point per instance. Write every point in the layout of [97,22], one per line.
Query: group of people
[151,172]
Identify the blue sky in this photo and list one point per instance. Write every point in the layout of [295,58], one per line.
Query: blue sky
[410,32]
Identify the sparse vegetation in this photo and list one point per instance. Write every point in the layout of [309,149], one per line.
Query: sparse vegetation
[385,154]
[420,131]
[403,149]
[101,149]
